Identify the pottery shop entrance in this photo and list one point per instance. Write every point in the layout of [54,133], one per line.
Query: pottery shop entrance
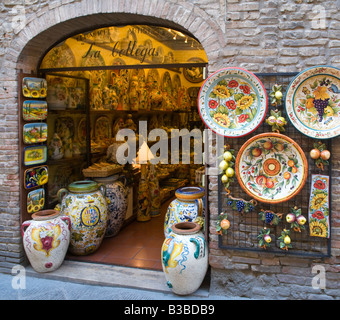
[137,77]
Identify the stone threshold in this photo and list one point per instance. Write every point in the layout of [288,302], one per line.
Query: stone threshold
[111,275]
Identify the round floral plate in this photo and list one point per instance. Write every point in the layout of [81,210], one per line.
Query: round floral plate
[313,102]
[271,167]
[232,102]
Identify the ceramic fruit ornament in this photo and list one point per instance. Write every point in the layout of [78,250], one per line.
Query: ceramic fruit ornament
[264,238]
[241,205]
[276,95]
[270,217]
[296,219]
[285,240]
[226,167]
[276,121]
[223,224]
[320,154]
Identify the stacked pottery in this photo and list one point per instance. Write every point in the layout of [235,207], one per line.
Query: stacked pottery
[185,258]
[46,239]
[116,193]
[85,204]
[188,206]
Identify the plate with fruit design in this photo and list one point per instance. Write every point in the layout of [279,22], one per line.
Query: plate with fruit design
[271,167]
[313,102]
[232,102]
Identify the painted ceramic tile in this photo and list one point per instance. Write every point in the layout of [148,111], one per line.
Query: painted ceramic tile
[35,133]
[232,102]
[34,110]
[35,177]
[36,200]
[35,155]
[34,87]
[313,102]
[319,223]
[271,167]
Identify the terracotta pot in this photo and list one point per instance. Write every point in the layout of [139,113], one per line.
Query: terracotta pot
[185,258]
[188,206]
[116,192]
[85,204]
[46,239]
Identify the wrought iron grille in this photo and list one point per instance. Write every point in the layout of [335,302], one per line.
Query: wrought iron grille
[245,227]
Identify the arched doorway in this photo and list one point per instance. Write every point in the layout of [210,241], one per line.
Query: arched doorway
[29,56]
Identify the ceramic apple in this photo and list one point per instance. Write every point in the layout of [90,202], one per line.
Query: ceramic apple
[268,145]
[290,218]
[267,238]
[325,155]
[315,154]
[301,220]
[256,152]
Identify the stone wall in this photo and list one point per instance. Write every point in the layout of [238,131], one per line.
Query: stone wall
[261,36]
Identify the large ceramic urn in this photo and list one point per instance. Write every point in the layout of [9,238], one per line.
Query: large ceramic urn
[188,206]
[185,258]
[85,204]
[116,193]
[46,239]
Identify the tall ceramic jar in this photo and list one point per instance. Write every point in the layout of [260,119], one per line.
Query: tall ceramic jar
[187,206]
[85,204]
[46,239]
[185,258]
[117,193]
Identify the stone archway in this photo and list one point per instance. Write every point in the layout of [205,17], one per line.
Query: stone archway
[54,23]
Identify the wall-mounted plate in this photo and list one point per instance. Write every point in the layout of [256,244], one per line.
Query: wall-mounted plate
[35,133]
[34,110]
[35,155]
[35,177]
[34,87]
[36,200]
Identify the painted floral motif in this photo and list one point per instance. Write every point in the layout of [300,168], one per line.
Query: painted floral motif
[270,168]
[313,102]
[318,207]
[232,102]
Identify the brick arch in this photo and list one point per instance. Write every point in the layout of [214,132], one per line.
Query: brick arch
[43,32]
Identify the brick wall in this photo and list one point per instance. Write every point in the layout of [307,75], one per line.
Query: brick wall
[261,36]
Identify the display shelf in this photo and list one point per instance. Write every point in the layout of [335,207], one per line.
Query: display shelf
[242,234]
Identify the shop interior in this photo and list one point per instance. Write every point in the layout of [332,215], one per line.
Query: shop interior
[114,78]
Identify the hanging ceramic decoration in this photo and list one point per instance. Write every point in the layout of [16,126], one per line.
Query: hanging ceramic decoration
[35,155]
[35,200]
[312,102]
[34,88]
[35,177]
[232,102]
[35,133]
[34,110]
[319,222]
[271,167]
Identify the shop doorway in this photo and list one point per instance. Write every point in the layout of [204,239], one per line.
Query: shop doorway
[82,72]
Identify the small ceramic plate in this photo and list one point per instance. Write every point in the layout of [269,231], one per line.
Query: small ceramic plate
[271,167]
[34,87]
[36,200]
[35,132]
[232,102]
[35,177]
[35,155]
[34,110]
[313,102]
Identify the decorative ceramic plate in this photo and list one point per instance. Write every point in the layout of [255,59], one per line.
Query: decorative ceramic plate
[103,128]
[34,87]
[313,102]
[35,132]
[35,177]
[82,130]
[194,74]
[232,102]
[34,110]
[271,167]
[36,200]
[35,155]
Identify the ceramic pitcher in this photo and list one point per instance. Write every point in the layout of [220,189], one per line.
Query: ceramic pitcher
[46,239]
[188,206]
[117,193]
[185,258]
[85,204]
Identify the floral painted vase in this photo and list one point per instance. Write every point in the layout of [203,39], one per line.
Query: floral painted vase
[117,193]
[185,258]
[187,206]
[46,239]
[85,204]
